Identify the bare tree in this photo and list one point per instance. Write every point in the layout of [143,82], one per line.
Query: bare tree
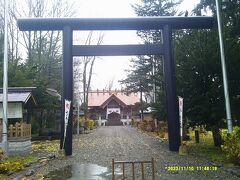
[91,61]
[12,29]
[44,47]
[86,71]
[77,80]
[34,42]
[110,84]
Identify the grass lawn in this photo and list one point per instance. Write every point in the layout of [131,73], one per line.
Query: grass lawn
[205,147]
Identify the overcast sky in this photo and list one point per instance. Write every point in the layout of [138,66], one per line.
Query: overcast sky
[112,68]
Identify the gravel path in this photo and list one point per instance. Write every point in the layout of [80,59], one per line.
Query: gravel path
[127,144]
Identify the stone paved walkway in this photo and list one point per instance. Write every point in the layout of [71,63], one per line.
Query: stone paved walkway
[126,143]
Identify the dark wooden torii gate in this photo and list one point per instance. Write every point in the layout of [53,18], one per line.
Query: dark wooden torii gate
[67,25]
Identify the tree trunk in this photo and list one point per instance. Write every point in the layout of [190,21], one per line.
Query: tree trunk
[88,84]
[141,103]
[217,138]
[40,123]
[85,89]
[186,136]
[87,76]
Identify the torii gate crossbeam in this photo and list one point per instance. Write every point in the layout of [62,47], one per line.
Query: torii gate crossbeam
[67,25]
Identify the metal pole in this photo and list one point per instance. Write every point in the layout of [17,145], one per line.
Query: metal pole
[225,82]
[5,81]
[78,119]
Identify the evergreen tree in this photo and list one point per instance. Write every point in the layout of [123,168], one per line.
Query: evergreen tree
[199,82]
[198,64]
[144,65]
[139,78]
[199,71]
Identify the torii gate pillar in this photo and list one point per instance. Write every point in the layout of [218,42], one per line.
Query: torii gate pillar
[67,91]
[170,90]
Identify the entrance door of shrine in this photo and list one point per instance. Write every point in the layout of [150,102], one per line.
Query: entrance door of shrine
[114,119]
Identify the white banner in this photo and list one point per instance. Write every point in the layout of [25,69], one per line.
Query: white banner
[66,116]
[111,110]
[180,101]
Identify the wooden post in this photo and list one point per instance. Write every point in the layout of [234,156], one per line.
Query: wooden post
[16,129]
[133,173]
[142,167]
[196,136]
[113,178]
[21,130]
[11,130]
[123,166]
[67,93]
[153,169]
[170,89]
[30,130]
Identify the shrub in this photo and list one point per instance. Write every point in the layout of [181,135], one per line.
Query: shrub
[150,126]
[90,124]
[142,125]
[2,155]
[161,134]
[146,125]
[232,145]
[134,123]
[96,123]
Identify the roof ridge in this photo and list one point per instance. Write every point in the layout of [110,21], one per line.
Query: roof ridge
[18,89]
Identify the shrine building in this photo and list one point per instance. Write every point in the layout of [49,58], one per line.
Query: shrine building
[112,108]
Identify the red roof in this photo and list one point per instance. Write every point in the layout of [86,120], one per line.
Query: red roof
[113,97]
[100,98]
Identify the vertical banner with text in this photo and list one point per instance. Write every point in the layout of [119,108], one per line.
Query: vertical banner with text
[66,117]
[180,101]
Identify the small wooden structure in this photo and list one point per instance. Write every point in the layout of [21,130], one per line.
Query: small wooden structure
[133,163]
[20,102]
[19,131]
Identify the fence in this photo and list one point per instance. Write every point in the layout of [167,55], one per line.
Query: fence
[133,168]
[19,130]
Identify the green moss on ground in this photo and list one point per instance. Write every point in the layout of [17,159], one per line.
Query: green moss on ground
[205,147]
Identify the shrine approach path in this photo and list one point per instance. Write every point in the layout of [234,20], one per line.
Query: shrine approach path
[125,143]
